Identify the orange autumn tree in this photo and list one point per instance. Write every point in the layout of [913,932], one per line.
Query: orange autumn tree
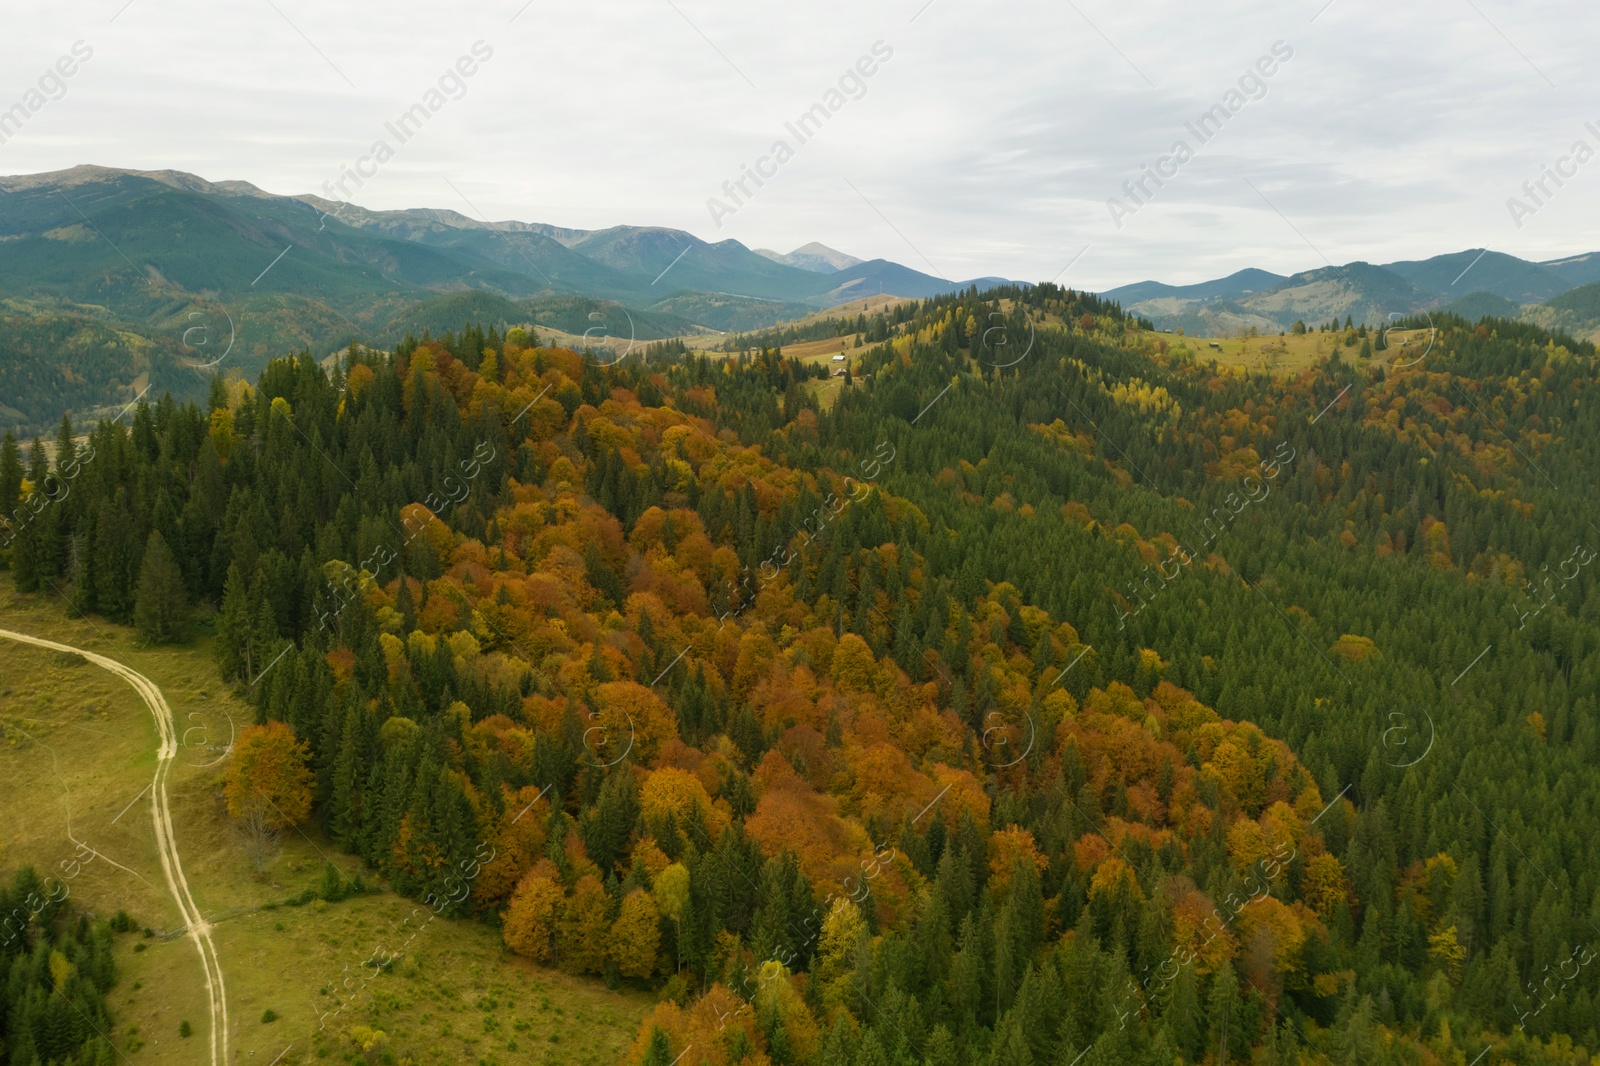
[269,768]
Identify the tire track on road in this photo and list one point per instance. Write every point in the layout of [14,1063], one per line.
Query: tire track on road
[198,929]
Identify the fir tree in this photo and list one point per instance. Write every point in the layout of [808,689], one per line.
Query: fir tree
[10,475]
[233,646]
[161,608]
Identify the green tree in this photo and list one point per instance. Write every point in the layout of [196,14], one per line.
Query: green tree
[659,1053]
[10,474]
[232,646]
[161,608]
[1222,1007]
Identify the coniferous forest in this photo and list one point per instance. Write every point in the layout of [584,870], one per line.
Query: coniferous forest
[1052,695]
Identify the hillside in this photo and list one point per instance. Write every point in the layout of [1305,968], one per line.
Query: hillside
[1471,283]
[192,274]
[965,720]
[78,753]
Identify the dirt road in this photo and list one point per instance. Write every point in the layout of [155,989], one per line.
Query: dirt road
[166,843]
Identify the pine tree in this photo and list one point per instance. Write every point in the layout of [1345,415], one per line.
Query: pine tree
[940,1048]
[27,554]
[1222,1007]
[607,826]
[232,647]
[1011,1047]
[344,806]
[659,1053]
[10,475]
[1182,1016]
[265,643]
[871,1052]
[161,608]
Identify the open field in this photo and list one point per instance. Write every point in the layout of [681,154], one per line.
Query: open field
[77,752]
[869,306]
[1291,353]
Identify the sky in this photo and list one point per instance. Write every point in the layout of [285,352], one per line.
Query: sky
[986,140]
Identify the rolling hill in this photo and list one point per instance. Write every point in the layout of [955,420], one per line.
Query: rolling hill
[190,274]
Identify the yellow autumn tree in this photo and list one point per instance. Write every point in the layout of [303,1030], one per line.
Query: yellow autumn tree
[671,791]
[854,666]
[836,946]
[1006,848]
[636,935]
[630,720]
[584,927]
[1444,947]
[1323,885]
[1247,844]
[1281,930]
[518,840]
[530,921]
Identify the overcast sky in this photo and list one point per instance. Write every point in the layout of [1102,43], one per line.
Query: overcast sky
[989,143]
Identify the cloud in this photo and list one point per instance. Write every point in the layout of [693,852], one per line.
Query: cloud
[989,145]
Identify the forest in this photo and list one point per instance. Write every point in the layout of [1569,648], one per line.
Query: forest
[1056,695]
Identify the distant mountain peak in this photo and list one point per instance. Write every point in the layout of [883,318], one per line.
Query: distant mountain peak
[815,257]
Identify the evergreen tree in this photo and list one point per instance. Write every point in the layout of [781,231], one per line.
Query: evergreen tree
[607,827]
[161,608]
[659,1053]
[10,475]
[1182,1016]
[1222,1008]
[233,645]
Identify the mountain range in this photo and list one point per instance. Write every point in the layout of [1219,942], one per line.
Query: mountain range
[1560,294]
[111,280]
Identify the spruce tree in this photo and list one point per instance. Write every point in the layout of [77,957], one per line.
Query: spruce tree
[1182,1016]
[112,563]
[161,609]
[232,648]
[10,475]
[659,1053]
[1222,1007]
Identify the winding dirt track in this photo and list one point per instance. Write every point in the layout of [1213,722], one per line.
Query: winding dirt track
[166,842]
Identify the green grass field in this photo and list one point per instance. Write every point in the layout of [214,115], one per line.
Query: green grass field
[1292,353]
[77,747]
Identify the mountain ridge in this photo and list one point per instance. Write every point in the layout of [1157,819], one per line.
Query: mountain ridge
[195,271]
[1466,282]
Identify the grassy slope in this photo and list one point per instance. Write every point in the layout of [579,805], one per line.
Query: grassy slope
[1290,354]
[78,742]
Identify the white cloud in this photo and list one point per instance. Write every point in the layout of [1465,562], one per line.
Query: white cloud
[988,145]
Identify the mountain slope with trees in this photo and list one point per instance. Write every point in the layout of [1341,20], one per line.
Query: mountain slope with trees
[1055,696]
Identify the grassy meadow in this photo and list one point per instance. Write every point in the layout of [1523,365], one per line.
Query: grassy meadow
[77,750]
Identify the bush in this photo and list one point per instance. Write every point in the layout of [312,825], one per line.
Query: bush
[120,922]
[185,1029]
[269,1016]
[334,887]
